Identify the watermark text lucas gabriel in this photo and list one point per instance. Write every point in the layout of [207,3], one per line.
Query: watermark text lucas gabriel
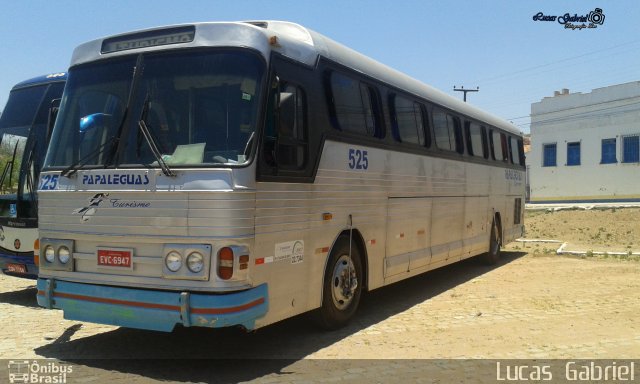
[567,371]
[590,20]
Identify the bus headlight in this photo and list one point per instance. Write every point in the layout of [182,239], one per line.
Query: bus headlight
[49,254]
[195,257]
[56,254]
[64,255]
[173,261]
[195,262]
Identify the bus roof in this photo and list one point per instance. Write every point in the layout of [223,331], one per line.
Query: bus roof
[292,40]
[44,79]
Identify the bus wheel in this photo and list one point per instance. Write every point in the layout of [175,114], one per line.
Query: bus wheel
[342,286]
[492,257]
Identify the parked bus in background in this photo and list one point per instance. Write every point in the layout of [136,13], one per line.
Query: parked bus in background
[240,173]
[23,143]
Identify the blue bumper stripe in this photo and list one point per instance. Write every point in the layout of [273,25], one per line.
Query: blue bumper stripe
[152,309]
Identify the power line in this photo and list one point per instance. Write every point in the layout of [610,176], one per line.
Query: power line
[597,113]
[587,114]
[558,61]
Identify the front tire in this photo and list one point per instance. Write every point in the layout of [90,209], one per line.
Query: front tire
[342,286]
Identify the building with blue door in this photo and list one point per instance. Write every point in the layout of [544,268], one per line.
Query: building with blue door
[585,147]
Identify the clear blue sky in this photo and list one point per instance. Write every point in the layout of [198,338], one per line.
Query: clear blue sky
[492,44]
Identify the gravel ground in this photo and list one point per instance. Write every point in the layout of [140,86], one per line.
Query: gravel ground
[532,305]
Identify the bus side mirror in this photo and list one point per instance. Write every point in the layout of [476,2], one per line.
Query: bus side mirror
[53,114]
[90,122]
[94,125]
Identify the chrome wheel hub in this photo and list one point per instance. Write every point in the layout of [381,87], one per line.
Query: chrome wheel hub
[344,282]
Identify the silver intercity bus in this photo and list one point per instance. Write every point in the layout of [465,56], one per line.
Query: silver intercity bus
[240,173]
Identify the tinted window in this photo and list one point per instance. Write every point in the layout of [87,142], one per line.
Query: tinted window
[199,107]
[408,121]
[513,146]
[476,142]
[496,143]
[521,156]
[292,142]
[447,131]
[22,106]
[505,147]
[353,103]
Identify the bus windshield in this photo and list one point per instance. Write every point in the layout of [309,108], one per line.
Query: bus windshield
[11,155]
[22,145]
[200,108]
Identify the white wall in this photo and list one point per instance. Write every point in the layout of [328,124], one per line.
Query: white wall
[604,113]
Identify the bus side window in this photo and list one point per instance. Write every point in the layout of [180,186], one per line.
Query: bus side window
[355,105]
[514,146]
[475,139]
[456,127]
[485,142]
[441,130]
[521,157]
[448,132]
[291,128]
[505,148]
[498,144]
[407,120]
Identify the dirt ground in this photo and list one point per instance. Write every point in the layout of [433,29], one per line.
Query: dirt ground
[534,304]
[604,230]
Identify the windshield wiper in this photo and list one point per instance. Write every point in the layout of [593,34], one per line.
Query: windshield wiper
[31,187]
[149,139]
[73,168]
[114,154]
[111,143]
[7,169]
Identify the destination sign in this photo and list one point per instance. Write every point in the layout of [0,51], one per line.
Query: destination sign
[149,39]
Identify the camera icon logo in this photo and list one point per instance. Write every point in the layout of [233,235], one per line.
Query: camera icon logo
[596,16]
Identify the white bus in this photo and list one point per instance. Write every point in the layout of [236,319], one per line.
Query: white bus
[240,173]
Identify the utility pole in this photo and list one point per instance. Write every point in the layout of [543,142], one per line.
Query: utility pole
[461,89]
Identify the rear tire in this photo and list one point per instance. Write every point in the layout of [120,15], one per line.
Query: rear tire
[492,257]
[342,286]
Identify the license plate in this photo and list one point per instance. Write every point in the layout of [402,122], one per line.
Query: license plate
[17,268]
[117,258]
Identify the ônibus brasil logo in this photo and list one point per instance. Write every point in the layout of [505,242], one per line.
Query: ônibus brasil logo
[25,371]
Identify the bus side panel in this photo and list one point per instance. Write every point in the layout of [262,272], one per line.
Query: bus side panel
[446,230]
[284,248]
[408,241]
[476,235]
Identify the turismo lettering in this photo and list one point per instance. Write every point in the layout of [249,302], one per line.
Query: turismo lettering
[117,203]
[115,179]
